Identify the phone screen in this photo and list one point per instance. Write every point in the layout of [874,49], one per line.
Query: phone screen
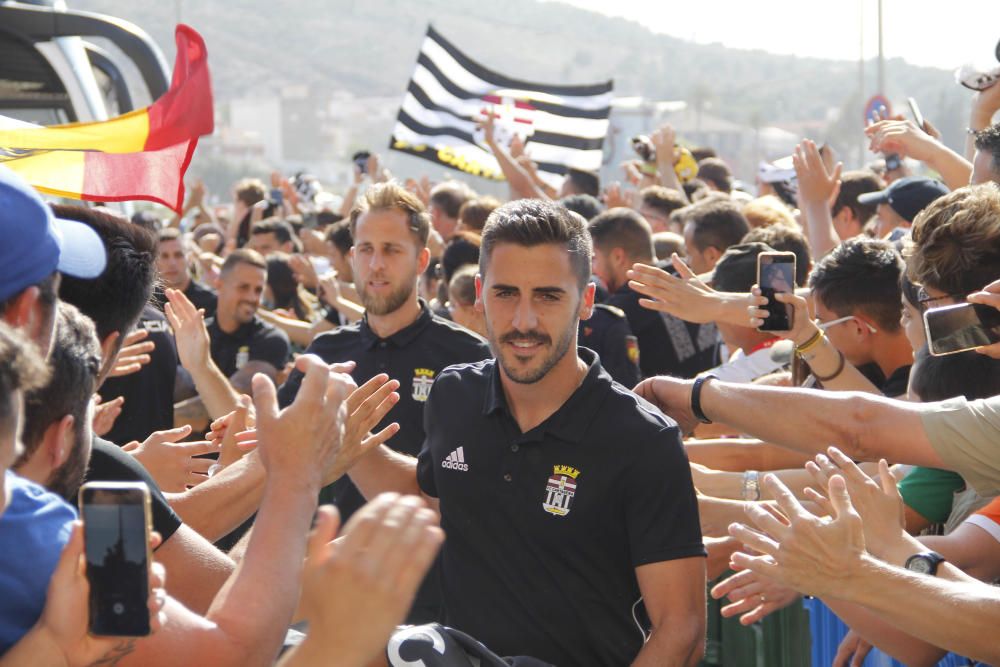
[776,273]
[116,535]
[961,327]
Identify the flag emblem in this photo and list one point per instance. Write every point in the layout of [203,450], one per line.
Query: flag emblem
[560,489]
[563,126]
[423,379]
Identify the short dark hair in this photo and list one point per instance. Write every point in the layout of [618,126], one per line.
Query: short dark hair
[392,196]
[474,212]
[956,241]
[861,275]
[533,222]
[715,170]
[716,223]
[147,221]
[664,200]
[339,234]
[965,374]
[700,153]
[853,184]
[169,234]
[988,141]
[21,368]
[462,286]
[694,188]
[243,256]
[283,231]
[736,270]
[449,197]
[115,299]
[462,249]
[785,239]
[586,205]
[626,229]
[75,362]
[584,182]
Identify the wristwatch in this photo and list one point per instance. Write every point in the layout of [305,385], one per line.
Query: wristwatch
[925,562]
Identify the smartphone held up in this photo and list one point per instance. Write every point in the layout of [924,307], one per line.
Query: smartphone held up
[776,275]
[116,529]
[961,327]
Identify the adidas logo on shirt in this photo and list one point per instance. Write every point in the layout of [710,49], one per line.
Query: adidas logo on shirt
[456,460]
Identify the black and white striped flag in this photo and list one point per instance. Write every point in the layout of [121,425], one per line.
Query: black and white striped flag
[563,126]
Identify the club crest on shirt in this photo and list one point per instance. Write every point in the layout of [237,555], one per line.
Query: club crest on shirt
[560,489]
[423,378]
[242,356]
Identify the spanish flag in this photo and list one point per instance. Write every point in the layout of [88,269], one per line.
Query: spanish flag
[140,155]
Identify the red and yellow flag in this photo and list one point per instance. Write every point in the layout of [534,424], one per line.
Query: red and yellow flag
[140,155]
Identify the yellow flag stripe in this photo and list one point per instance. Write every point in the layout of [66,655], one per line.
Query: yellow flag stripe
[123,134]
[46,170]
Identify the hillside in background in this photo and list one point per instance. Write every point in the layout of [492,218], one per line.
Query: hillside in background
[368,47]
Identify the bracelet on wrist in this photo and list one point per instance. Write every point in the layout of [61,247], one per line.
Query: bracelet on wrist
[751,485]
[812,342]
[696,397]
[840,369]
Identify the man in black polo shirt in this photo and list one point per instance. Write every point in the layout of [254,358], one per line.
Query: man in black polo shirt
[174,271]
[242,344]
[398,336]
[566,500]
[667,344]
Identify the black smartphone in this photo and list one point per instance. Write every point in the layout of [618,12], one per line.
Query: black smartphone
[776,274]
[893,162]
[961,327]
[116,525]
[361,161]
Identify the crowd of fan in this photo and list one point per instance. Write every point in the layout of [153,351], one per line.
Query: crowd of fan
[823,457]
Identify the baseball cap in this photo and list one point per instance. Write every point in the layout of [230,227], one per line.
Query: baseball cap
[907,196]
[34,243]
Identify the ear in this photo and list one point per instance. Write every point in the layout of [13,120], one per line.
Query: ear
[21,310]
[618,257]
[480,308]
[64,440]
[587,301]
[712,255]
[423,259]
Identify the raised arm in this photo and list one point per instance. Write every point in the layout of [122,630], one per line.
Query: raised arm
[866,427]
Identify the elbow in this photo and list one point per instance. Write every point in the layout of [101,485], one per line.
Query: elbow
[853,434]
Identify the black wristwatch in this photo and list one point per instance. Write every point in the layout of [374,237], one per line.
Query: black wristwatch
[925,562]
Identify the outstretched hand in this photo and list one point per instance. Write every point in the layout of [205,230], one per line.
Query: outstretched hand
[357,589]
[807,553]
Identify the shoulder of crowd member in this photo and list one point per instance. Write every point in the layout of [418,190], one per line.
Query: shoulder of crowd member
[613,310]
[456,374]
[108,463]
[456,332]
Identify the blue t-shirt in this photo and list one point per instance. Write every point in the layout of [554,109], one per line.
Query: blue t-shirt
[34,528]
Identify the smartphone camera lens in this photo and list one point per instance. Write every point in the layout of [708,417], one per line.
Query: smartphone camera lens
[118,608]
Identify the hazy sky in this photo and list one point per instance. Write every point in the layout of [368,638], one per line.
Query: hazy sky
[924,32]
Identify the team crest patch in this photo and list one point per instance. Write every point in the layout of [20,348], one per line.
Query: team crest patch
[560,490]
[242,356]
[632,349]
[423,378]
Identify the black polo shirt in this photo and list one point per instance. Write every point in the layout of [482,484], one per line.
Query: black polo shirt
[667,345]
[544,529]
[608,334]
[108,463]
[254,341]
[414,356]
[149,393]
